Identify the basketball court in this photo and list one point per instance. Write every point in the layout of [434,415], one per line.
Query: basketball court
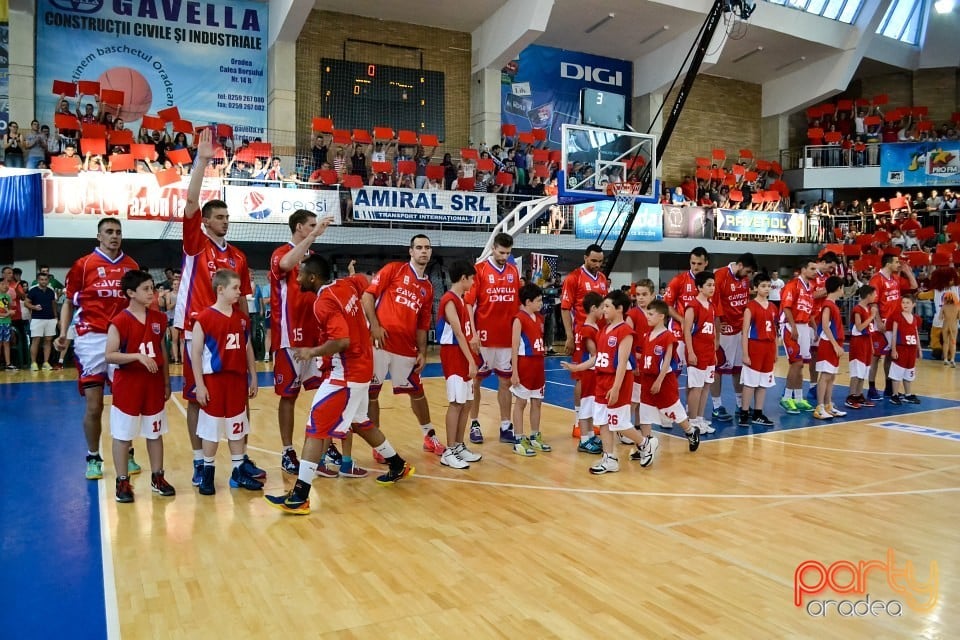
[701,544]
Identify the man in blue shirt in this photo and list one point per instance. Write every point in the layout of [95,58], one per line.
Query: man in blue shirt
[42,302]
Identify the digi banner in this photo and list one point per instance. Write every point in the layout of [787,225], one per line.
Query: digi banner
[920,164]
[592,219]
[541,88]
[273,205]
[411,205]
[127,196]
[743,222]
[687,222]
[208,59]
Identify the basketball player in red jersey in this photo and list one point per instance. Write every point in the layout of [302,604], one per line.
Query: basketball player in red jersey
[493,303]
[826,267]
[93,289]
[575,286]
[682,290]
[731,297]
[398,304]
[287,326]
[886,282]
[205,251]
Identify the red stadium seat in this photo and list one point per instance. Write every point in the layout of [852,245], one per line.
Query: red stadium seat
[469,154]
[541,171]
[526,138]
[703,162]
[435,172]
[382,167]
[341,136]
[505,179]
[383,133]
[327,176]
[407,138]
[485,164]
[352,181]
[362,136]
[323,125]
[406,167]
[541,155]
[429,140]
[508,130]
[466,184]
[736,195]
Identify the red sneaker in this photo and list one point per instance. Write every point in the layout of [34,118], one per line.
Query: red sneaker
[576,430]
[433,445]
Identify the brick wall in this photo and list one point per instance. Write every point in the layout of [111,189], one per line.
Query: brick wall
[325,34]
[719,113]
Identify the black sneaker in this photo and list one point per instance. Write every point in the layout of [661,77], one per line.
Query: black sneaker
[160,485]
[743,418]
[396,474]
[333,456]
[240,479]
[895,399]
[762,420]
[289,462]
[206,480]
[911,399]
[124,490]
[694,439]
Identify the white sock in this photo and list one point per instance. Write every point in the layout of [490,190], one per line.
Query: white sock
[739,399]
[788,394]
[386,450]
[308,471]
[798,394]
[236,460]
[286,448]
[427,428]
[197,455]
[716,403]
[505,425]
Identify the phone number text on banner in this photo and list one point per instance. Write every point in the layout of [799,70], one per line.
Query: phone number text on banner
[761,223]
[591,219]
[410,205]
[273,205]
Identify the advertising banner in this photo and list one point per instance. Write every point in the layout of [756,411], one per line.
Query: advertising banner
[591,219]
[127,196]
[920,164]
[4,65]
[687,222]
[411,205]
[541,88]
[273,205]
[208,59]
[761,223]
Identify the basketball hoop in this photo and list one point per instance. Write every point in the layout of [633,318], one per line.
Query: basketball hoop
[623,193]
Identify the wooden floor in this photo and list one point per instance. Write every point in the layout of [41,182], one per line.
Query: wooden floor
[700,545]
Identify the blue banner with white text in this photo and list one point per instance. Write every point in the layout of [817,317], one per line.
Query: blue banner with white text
[208,59]
[744,222]
[592,219]
[413,205]
[920,164]
[541,88]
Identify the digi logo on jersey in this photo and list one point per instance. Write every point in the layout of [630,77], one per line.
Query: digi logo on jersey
[500,294]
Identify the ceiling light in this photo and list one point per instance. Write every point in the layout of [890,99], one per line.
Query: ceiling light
[656,33]
[603,21]
[791,63]
[748,54]
[943,6]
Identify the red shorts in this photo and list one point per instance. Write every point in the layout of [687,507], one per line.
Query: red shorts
[588,383]
[289,374]
[530,370]
[880,345]
[189,383]
[605,383]
[906,356]
[454,363]
[826,353]
[138,392]
[228,394]
[763,355]
[861,348]
[339,408]
[669,391]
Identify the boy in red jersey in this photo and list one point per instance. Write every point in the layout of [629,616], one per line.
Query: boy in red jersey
[492,302]
[528,376]
[205,251]
[887,283]
[576,285]
[398,304]
[287,329]
[660,389]
[454,333]
[904,331]
[759,344]
[863,320]
[637,318]
[93,289]
[222,361]
[796,325]
[340,404]
[583,365]
[829,350]
[701,338]
[682,289]
[141,382]
[826,267]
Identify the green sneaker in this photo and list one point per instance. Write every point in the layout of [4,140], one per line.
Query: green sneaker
[522,447]
[536,441]
[132,467]
[803,405]
[94,468]
[789,405]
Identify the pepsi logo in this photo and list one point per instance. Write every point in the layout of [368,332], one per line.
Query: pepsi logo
[252,203]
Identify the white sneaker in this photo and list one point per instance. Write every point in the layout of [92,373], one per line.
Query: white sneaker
[704,426]
[465,454]
[450,459]
[647,452]
[625,440]
[835,411]
[607,464]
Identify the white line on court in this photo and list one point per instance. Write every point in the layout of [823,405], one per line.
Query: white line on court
[109,579]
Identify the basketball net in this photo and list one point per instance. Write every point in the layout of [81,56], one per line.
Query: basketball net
[624,194]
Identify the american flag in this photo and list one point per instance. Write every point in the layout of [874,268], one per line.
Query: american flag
[542,267]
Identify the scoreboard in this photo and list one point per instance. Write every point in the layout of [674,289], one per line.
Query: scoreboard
[360,95]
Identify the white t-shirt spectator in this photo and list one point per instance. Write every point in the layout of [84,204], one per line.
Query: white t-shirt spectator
[776,285]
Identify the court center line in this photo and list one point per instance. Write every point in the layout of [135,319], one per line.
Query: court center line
[109,578]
